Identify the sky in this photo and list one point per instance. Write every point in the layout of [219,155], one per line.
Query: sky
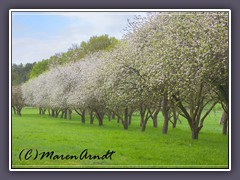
[39,35]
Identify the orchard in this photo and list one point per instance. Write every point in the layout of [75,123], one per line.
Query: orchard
[174,63]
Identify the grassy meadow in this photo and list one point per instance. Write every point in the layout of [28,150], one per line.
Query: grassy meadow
[134,149]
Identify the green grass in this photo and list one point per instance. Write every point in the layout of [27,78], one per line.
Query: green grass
[134,149]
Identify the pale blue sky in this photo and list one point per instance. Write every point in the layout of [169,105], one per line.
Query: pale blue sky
[39,35]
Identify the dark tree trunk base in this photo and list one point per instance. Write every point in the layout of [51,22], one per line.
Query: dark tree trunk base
[165,123]
[225,128]
[165,128]
[143,127]
[100,117]
[130,120]
[70,114]
[155,124]
[126,117]
[100,122]
[83,117]
[91,117]
[195,133]
[125,124]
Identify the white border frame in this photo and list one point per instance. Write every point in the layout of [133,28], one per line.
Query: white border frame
[111,10]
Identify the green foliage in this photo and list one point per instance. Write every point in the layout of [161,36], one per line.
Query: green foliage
[133,148]
[97,43]
[75,53]
[21,73]
[94,44]
[39,68]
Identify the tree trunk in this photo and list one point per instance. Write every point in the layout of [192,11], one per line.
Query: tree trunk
[142,113]
[125,122]
[225,126]
[19,109]
[53,113]
[143,125]
[91,117]
[40,111]
[100,117]
[109,116]
[165,125]
[83,116]
[165,112]
[65,113]
[222,118]
[155,116]
[19,112]
[155,123]
[100,121]
[144,120]
[130,119]
[174,117]
[113,116]
[195,118]
[57,112]
[195,133]
[70,114]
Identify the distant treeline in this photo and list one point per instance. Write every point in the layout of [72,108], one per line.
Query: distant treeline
[22,73]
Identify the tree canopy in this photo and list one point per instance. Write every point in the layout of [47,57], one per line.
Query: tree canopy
[75,53]
[175,61]
[21,73]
